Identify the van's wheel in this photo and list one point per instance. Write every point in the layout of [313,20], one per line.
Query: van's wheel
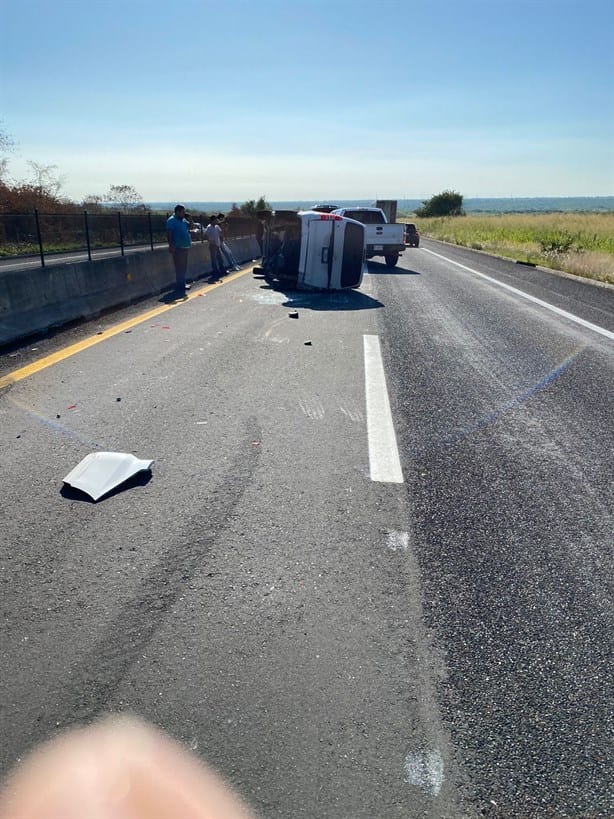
[391,259]
[257,271]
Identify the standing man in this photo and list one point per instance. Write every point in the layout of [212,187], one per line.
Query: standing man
[179,243]
[213,235]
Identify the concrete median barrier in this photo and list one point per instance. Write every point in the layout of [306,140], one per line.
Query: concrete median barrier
[35,300]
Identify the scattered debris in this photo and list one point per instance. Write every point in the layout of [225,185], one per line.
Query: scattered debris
[307,343]
[294,314]
[100,332]
[58,415]
[127,331]
[118,399]
[100,472]
[72,406]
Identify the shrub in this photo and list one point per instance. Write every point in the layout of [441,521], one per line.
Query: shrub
[446,203]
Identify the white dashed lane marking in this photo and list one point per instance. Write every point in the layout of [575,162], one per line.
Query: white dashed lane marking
[384,462]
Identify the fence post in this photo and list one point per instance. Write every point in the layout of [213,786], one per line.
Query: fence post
[150,229]
[40,238]
[87,236]
[121,232]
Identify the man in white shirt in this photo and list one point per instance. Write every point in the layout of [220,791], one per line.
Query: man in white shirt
[213,234]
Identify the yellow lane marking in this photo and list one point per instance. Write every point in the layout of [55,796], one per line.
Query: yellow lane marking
[116,329]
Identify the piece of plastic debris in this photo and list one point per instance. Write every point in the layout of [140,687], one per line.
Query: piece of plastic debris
[307,343]
[100,332]
[72,406]
[294,314]
[100,472]
[128,331]
[58,415]
[118,399]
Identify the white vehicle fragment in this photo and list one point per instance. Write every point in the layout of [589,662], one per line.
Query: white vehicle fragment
[100,472]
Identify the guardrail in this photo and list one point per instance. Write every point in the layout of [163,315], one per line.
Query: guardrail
[44,235]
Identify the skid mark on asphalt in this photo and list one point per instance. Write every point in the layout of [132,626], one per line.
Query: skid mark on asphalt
[93,683]
[353,414]
[271,333]
[516,401]
[313,408]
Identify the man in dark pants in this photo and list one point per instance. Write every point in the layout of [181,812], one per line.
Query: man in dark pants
[179,243]
[213,234]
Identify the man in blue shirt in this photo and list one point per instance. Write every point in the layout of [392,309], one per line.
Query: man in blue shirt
[179,243]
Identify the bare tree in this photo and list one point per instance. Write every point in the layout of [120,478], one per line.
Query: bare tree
[126,197]
[7,146]
[45,179]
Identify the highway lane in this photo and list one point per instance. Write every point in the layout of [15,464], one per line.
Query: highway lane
[506,432]
[333,644]
[254,597]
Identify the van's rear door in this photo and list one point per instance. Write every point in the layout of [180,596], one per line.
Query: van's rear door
[316,253]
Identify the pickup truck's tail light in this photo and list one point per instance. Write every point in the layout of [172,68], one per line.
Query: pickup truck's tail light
[328,217]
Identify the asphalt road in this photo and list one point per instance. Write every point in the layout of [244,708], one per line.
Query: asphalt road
[335,645]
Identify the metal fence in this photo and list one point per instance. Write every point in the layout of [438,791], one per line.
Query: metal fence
[45,235]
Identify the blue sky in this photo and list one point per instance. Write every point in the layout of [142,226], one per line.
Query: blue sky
[322,99]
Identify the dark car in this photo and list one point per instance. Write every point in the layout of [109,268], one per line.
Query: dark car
[412,237]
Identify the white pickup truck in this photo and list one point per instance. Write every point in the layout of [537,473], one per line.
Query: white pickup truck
[381,238]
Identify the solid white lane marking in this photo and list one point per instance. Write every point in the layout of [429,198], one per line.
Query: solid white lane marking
[594,327]
[425,771]
[384,462]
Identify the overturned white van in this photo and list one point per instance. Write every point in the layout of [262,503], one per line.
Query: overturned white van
[312,250]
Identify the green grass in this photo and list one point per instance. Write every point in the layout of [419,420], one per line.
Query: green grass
[577,243]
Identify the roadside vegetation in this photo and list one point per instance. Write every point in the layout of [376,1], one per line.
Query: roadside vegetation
[577,243]
[573,242]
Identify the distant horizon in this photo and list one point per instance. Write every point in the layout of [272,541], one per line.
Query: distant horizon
[495,203]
